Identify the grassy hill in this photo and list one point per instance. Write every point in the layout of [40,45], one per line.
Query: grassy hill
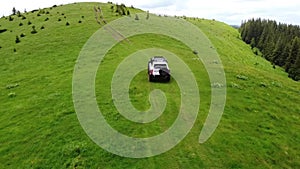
[260,127]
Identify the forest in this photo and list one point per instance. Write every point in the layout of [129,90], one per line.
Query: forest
[279,43]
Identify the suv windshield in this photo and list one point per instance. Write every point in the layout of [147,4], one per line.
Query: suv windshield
[159,66]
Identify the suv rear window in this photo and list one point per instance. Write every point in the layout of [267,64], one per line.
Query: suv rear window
[159,66]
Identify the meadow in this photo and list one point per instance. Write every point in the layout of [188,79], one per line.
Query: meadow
[39,126]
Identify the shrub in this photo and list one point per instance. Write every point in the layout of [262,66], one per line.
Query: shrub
[20,24]
[34,10]
[29,23]
[46,19]
[33,30]
[42,27]
[22,35]
[19,14]
[82,16]
[136,17]
[59,19]
[10,18]
[67,24]
[17,39]
[15,50]
[23,17]
[79,21]
[3,30]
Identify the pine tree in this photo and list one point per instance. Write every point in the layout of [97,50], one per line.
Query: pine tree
[14,11]
[294,51]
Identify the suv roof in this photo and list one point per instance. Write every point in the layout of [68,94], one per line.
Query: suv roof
[158,59]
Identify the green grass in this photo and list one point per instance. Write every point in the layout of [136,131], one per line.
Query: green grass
[140,88]
[39,128]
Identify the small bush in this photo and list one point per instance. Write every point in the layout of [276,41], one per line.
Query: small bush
[62,14]
[10,18]
[29,23]
[67,24]
[82,17]
[23,17]
[59,19]
[20,24]
[3,30]
[33,30]
[22,35]
[47,12]
[19,14]
[15,50]
[17,39]
[46,19]
[42,27]
[79,21]
[38,14]
[136,17]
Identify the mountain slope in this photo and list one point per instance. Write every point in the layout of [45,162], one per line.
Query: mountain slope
[39,127]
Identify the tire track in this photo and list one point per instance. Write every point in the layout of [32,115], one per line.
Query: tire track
[100,19]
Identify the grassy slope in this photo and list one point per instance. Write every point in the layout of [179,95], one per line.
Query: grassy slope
[39,128]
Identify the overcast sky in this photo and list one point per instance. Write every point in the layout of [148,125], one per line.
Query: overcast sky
[228,11]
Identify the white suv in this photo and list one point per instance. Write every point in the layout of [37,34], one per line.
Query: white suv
[158,69]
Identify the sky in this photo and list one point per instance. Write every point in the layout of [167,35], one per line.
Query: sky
[232,12]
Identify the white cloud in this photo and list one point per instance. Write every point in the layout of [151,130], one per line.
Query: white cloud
[229,11]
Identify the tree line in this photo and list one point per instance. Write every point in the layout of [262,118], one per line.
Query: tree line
[279,43]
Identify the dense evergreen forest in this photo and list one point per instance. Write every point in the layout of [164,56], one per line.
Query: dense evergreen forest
[279,43]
